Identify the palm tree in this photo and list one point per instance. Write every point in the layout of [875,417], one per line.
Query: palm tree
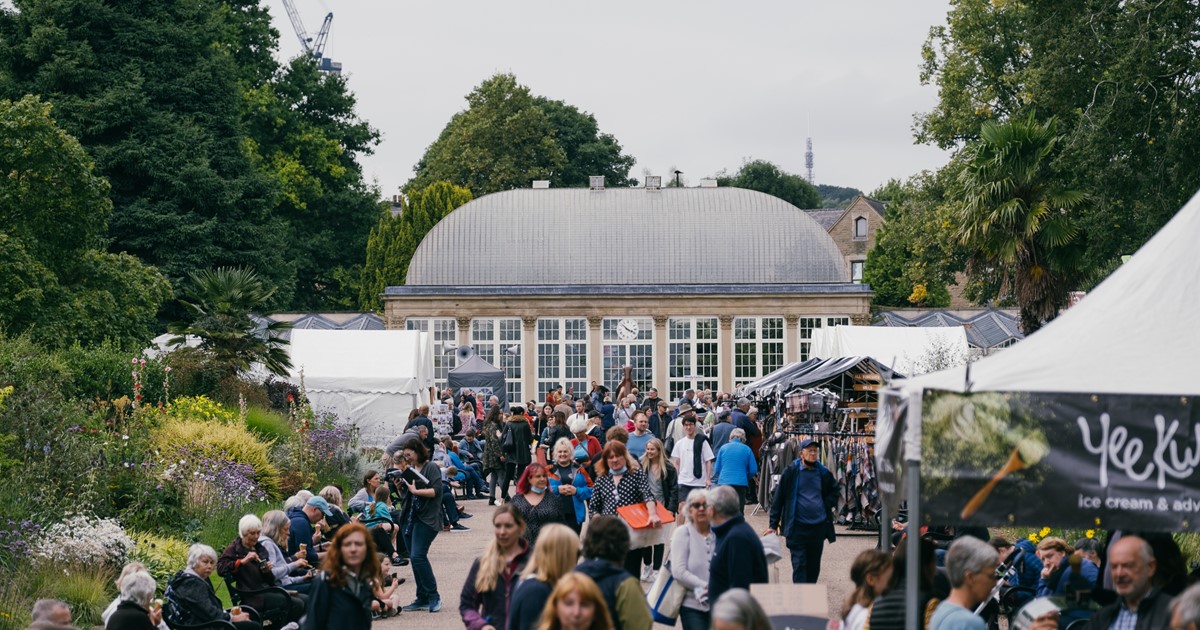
[1017,220]
[221,301]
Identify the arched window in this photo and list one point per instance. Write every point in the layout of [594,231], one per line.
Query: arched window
[860,227]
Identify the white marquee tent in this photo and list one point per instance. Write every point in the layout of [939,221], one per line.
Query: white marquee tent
[902,349]
[371,378]
[1132,339]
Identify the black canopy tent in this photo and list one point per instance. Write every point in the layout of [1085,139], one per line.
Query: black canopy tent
[811,373]
[481,377]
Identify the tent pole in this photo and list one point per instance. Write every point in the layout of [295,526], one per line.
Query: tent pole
[912,472]
[885,528]
[912,570]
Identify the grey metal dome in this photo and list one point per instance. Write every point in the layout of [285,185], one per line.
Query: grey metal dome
[627,236]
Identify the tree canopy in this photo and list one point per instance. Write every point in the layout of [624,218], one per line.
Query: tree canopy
[507,137]
[394,240]
[766,177]
[1119,78]
[55,280]
[215,154]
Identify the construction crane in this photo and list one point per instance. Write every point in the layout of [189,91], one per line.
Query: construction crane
[317,50]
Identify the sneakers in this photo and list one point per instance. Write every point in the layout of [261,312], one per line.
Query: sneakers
[464,516]
[646,573]
[456,527]
[418,605]
[399,561]
[435,605]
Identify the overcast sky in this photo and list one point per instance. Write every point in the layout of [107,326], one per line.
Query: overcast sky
[699,86]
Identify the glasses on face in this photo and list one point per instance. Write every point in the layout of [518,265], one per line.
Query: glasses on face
[699,505]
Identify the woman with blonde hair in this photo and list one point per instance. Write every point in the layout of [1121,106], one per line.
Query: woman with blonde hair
[493,576]
[555,554]
[664,485]
[576,604]
[871,573]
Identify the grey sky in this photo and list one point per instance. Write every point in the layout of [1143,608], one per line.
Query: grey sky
[699,86]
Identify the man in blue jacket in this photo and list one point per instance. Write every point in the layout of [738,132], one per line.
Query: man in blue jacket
[739,559]
[802,512]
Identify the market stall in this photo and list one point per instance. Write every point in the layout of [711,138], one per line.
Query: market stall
[1090,422]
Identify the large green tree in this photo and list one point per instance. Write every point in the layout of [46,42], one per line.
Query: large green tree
[55,279]
[766,177]
[1017,220]
[1119,77]
[307,137]
[508,137]
[394,240]
[916,254]
[152,93]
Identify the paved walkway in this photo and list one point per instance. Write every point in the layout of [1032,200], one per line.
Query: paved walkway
[452,554]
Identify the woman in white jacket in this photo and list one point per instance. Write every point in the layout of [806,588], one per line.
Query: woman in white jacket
[692,547]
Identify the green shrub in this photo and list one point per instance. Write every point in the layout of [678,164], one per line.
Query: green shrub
[267,423]
[162,555]
[87,593]
[225,441]
[200,408]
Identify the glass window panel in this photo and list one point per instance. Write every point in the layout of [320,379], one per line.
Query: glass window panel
[562,363]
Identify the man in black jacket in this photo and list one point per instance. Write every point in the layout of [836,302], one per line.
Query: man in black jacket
[802,511]
[739,559]
[1140,606]
[422,420]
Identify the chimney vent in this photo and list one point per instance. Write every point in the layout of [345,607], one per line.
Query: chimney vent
[653,182]
[541,183]
[596,182]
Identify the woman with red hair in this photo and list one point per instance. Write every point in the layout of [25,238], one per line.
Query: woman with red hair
[617,485]
[342,591]
[535,503]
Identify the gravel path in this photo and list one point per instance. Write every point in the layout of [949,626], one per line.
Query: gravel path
[452,554]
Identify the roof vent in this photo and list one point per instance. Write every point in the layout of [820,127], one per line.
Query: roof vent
[653,182]
[596,182]
[541,183]
[708,183]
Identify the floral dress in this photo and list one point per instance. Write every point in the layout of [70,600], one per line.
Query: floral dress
[538,516]
[492,447]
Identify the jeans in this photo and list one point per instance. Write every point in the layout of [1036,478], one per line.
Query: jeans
[693,619]
[495,475]
[418,549]
[474,483]
[449,505]
[806,556]
[512,472]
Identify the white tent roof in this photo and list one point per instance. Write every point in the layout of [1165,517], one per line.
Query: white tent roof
[901,349]
[1135,333]
[375,361]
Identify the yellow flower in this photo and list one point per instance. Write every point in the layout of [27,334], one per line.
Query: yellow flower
[1091,533]
[1033,537]
[1045,532]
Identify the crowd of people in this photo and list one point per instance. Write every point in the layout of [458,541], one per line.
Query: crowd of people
[567,478]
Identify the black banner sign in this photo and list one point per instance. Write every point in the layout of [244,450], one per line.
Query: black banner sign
[1064,460]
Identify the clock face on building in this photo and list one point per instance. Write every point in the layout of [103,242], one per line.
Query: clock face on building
[627,329]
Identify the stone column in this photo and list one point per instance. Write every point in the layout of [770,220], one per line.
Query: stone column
[725,362]
[464,330]
[791,339]
[529,358]
[595,366]
[658,375]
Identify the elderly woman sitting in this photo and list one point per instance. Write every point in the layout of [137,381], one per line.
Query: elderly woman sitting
[191,599]
[126,571]
[291,575]
[247,562]
[134,612]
